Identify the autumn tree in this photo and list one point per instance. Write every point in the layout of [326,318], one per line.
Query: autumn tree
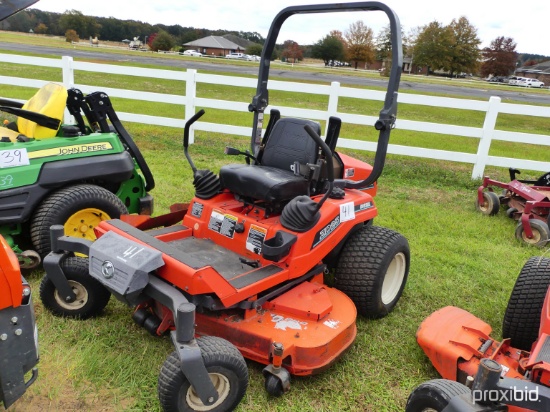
[360,43]
[329,48]
[292,50]
[71,36]
[432,46]
[499,59]
[464,51]
[41,28]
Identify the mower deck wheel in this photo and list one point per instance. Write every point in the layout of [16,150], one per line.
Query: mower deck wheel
[226,368]
[274,386]
[372,270]
[490,205]
[434,395]
[522,317]
[510,212]
[91,296]
[78,208]
[541,233]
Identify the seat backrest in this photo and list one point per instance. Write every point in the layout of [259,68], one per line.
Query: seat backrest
[50,101]
[289,142]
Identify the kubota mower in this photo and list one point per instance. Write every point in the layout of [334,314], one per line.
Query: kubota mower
[73,175]
[242,265]
[18,335]
[527,201]
[480,373]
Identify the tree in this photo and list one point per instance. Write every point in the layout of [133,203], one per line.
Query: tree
[292,50]
[254,49]
[329,48]
[464,52]
[499,59]
[359,41]
[163,41]
[75,20]
[432,45]
[71,36]
[41,29]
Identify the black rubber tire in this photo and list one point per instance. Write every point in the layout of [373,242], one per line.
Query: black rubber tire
[140,315]
[91,304]
[61,205]
[220,357]
[490,205]
[541,233]
[510,212]
[522,317]
[434,395]
[273,386]
[363,265]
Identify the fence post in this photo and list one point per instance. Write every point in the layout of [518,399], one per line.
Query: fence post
[68,81]
[486,136]
[333,97]
[190,95]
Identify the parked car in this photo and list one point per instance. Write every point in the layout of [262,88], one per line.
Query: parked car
[514,80]
[252,58]
[497,79]
[192,53]
[234,56]
[528,82]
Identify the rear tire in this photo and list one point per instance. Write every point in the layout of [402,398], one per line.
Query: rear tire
[91,296]
[434,395]
[78,208]
[522,317]
[490,205]
[226,367]
[372,270]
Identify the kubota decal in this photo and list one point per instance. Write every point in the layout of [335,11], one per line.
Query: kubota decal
[222,224]
[364,206]
[327,230]
[282,323]
[71,150]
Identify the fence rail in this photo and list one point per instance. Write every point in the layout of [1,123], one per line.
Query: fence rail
[486,133]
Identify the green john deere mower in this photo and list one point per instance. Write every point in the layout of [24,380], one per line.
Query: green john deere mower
[74,175]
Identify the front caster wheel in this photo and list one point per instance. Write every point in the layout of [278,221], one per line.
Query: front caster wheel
[91,296]
[434,395]
[274,386]
[490,205]
[541,233]
[226,368]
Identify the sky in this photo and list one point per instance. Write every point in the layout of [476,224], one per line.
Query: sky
[526,24]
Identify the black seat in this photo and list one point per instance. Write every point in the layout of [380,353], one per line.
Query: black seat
[273,180]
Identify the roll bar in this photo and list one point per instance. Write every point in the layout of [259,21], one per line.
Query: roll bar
[387,115]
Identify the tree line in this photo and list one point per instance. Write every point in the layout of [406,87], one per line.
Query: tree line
[453,49]
[109,28]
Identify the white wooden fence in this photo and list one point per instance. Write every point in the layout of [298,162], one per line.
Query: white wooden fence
[485,134]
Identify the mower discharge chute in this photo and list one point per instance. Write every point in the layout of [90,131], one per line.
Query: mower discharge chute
[481,374]
[242,265]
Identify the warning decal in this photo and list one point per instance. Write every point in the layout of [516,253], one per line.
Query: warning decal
[255,239]
[197,209]
[222,224]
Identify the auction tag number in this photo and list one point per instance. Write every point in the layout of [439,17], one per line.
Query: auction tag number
[347,212]
[14,157]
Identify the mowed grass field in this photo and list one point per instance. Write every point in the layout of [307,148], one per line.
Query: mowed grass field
[458,257]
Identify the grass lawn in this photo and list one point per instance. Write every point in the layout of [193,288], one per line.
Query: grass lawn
[458,257]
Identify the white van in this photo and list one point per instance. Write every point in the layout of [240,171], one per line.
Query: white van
[528,82]
[514,80]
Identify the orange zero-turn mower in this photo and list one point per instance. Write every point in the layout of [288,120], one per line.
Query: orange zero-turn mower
[242,266]
[18,334]
[480,373]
